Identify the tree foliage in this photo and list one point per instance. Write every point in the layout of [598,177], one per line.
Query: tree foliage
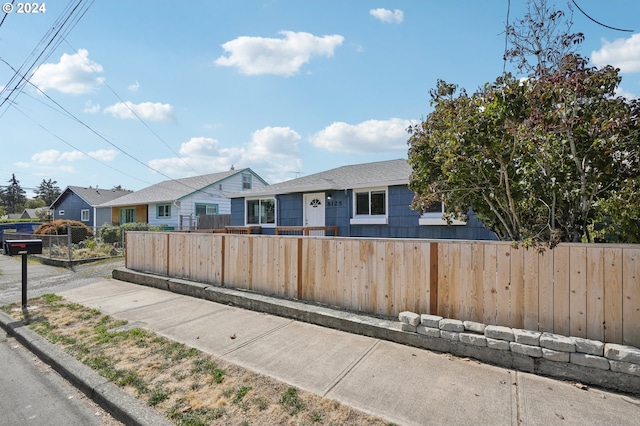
[540,40]
[13,196]
[551,157]
[540,159]
[48,191]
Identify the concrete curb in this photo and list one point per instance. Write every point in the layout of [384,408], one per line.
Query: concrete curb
[121,405]
[383,329]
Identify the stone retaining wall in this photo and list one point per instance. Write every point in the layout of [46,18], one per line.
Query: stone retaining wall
[533,344]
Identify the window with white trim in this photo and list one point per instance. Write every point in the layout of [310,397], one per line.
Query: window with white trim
[370,206]
[163,210]
[261,211]
[433,216]
[60,212]
[206,209]
[84,215]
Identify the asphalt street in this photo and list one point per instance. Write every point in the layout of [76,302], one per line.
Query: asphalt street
[42,279]
[31,393]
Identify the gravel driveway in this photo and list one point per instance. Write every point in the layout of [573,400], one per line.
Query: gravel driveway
[44,279]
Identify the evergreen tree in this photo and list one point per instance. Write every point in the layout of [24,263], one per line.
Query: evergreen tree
[13,196]
[48,191]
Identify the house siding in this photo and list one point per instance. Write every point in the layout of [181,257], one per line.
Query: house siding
[103,215]
[403,222]
[73,204]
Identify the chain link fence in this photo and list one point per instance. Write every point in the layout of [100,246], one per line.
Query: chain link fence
[76,244]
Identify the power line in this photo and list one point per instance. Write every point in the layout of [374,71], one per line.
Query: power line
[597,22]
[6,14]
[74,147]
[50,41]
[90,65]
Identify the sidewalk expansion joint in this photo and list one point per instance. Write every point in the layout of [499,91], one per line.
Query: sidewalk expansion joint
[349,368]
[255,339]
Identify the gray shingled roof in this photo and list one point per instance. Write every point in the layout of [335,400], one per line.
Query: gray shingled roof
[96,196]
[381,173]
[171,190]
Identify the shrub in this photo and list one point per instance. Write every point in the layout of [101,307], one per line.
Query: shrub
[110,234]
[135,226]
[79,231]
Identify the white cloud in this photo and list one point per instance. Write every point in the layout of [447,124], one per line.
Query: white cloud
[75,74]
[283,56]
[134,87]
[272,152]
[622,53]
[370,136]
[153,111]
[104,154]
[90,108]
[385,15]
[52,156]
[621,92]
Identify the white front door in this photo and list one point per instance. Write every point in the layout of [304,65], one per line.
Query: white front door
[314,211]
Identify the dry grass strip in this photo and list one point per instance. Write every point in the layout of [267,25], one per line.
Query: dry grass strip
[188,386]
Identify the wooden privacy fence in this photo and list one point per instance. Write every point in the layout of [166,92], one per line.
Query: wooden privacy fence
[583,290]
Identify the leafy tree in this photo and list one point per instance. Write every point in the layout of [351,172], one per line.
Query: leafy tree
[540,40]
[547,158]
[537,160]
[13,198]
[48,191]
[35,203]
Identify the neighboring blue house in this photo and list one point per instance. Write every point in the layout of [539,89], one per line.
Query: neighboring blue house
[362,200]
[81,204]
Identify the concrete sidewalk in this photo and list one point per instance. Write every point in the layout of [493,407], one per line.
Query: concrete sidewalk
[403,384]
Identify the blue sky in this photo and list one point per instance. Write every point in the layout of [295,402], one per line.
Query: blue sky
[153,90]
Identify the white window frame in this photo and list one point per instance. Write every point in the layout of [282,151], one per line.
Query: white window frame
[370,219]
[436,219]
[164,216]
[84,215]
[210,208]
[260,199]
[60,212]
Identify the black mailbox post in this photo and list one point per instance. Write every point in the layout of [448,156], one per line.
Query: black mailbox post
[24,248]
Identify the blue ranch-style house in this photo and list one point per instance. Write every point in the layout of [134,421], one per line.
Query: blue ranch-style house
[81,204]
[361,200]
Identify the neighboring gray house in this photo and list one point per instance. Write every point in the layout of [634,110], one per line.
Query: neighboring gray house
[36,213]
[81,204]
[164,203]
[362,200]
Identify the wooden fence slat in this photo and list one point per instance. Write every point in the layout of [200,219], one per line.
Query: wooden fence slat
[385,287]
[477,282]
[613,294]
[595,293]
[503,276]
[454,280]
[578,291]
[530,308]
[631,297]
[422,277]
[489,284]
[546,287]
[444,309]
[561,289]
[516,287]
[464,269]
